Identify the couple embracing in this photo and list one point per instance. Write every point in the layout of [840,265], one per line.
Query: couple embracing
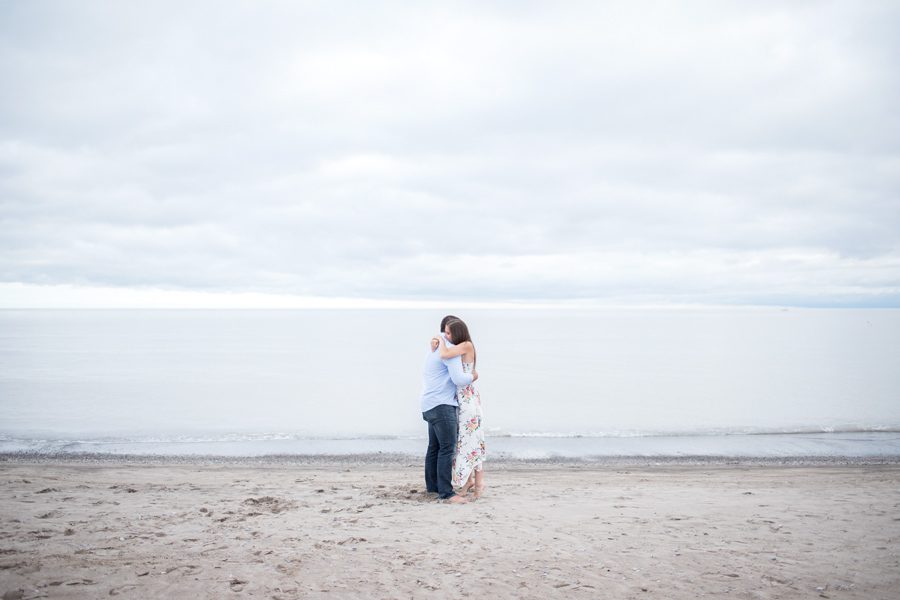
[452,408]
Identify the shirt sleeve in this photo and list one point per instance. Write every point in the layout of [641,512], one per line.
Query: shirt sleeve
[459,377]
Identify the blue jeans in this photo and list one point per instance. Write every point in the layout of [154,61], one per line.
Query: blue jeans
[442,427]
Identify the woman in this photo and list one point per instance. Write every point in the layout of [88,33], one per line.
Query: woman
[468,465]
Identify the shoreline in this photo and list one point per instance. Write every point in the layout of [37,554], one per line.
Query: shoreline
[402,460]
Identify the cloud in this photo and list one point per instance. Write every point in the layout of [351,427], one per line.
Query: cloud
[714,153]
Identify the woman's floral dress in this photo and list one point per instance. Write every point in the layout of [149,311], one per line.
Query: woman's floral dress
[470,440]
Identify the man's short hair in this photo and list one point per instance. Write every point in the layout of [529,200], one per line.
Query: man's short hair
[447,319]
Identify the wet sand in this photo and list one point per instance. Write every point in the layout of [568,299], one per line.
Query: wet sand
[341,528]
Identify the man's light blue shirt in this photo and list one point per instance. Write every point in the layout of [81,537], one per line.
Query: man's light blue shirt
[440,379]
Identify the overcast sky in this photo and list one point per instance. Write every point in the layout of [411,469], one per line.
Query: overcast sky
[670,152]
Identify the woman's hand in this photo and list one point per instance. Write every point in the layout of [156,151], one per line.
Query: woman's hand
[474,375]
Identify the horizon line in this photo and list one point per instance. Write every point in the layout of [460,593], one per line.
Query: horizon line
[24,296]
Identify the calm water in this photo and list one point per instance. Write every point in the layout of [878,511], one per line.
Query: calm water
[553,382]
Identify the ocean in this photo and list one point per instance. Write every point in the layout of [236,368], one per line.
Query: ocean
[554,382]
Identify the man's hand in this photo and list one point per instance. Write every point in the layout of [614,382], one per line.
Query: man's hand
[434,344]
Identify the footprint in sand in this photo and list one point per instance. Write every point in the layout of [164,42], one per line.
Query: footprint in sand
[121,589]
[269,504]
[236,584]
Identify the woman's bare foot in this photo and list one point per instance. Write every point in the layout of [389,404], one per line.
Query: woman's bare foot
[456,499]
[479,490]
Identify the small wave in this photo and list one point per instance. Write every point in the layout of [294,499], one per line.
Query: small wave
[632,433]
[64,442]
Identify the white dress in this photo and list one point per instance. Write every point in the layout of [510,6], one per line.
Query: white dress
[470,438]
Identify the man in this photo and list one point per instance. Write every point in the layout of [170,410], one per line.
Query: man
[439,408]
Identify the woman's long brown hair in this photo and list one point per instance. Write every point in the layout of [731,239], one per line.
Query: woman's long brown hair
[459,333]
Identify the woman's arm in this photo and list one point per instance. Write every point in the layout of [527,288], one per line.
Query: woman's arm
[458,350]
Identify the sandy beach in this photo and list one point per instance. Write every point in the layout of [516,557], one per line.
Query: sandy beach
[345,529]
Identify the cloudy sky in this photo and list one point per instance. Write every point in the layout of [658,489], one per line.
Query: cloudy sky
[596,152]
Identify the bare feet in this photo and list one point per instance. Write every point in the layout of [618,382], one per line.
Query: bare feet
[479,489]
[470,483]
[456,499]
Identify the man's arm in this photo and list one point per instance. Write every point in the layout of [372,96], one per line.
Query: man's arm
[459,377]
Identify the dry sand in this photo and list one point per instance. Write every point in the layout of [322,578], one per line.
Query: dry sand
[275,530]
